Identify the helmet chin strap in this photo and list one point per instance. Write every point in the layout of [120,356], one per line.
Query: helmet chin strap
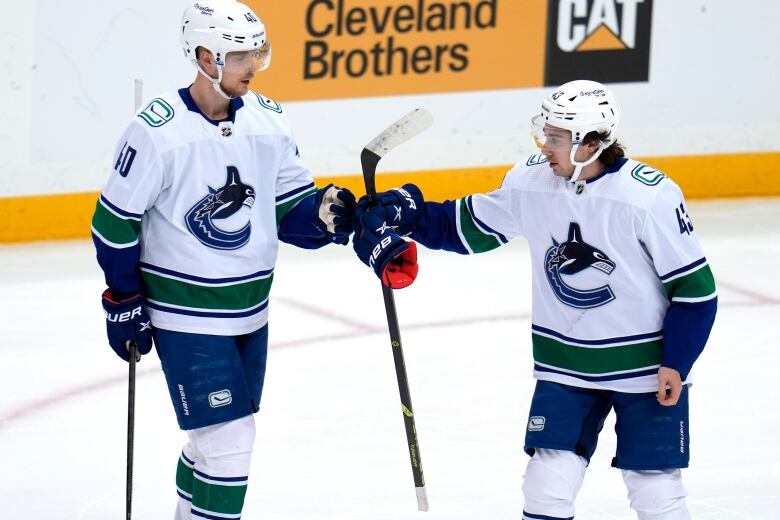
[215,82]
[578,166]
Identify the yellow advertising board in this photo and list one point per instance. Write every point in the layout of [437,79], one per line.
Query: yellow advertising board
[326,49]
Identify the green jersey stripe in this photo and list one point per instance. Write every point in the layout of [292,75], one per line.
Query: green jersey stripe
[478,241]
[114,228]
[697,284]
[284,207]
[219,501]
[589,360]
[233,297]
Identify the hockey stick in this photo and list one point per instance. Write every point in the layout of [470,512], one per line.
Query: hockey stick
[133,353]
[402,130]
[134,357]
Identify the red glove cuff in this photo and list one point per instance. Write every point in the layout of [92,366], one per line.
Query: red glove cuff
[402,269]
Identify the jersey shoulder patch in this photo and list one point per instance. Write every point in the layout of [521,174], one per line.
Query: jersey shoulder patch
[647,175]
[536,159]
[157,113]
[268,103]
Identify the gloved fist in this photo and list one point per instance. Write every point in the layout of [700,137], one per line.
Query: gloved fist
[333,211]
[402,208]
[127,321]
[393,259]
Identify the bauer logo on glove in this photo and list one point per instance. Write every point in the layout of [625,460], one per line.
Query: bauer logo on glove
[393,259]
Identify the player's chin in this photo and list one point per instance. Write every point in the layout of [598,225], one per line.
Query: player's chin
[240,88]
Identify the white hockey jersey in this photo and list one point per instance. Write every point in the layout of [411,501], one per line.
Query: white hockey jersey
[608,257]
[199,202]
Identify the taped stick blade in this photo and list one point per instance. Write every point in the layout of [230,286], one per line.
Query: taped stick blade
[412,124]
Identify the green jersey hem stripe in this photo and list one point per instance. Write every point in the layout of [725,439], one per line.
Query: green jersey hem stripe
[479,242]
[113,227]
[588,360]
[184,295]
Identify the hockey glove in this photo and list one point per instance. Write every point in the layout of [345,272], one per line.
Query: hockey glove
[333,210]
[393,259]
[126,321]
[402,208]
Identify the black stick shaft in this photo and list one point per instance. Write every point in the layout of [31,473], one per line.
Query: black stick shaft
[403,387]
[369,162]
[130,430]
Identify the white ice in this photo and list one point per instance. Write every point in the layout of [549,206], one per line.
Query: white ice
[330,441]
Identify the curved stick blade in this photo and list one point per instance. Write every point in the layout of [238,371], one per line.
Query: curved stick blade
[412,124]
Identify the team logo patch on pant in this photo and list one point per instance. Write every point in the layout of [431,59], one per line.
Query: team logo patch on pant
[221,398]
[536,423]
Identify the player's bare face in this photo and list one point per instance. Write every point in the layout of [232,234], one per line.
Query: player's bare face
[557,148]
[236,83]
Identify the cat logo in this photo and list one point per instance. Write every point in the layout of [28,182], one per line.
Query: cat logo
[602,40]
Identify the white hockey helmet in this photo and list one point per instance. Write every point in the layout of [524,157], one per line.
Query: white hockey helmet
[580,106]
[224,27]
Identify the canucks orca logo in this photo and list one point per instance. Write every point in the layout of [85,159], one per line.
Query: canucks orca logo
[570,258]
[221,204]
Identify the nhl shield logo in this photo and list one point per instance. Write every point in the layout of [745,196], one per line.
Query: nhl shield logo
[571,257]
[226,129]
[221,204]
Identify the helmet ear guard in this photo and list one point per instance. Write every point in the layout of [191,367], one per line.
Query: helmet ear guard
[581,107]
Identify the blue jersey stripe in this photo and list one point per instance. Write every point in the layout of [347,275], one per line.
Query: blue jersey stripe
[185,276]
[207,314]
[613,377]
[295,192]
[698,262]
[119,210]
[183,496]
[608,341]
[481,224]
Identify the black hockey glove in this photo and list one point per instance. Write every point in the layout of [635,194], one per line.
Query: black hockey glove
[333,211]
[126,321]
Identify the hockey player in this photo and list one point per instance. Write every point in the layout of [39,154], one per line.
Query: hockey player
[206,181]
[623,299]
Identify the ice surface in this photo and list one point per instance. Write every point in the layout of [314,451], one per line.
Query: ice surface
[330,442]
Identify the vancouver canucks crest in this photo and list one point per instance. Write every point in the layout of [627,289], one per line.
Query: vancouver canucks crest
[221,204]
[571,257]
